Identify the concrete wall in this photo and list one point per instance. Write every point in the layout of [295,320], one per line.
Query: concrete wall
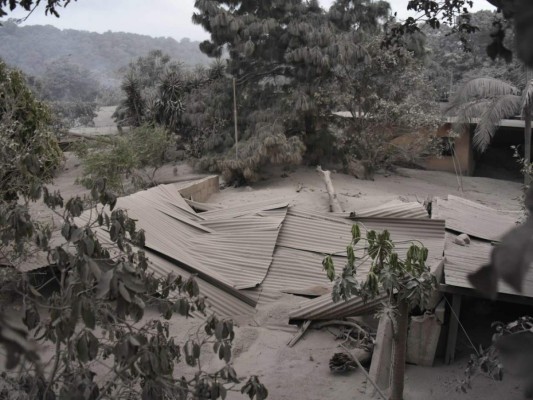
[464,160]
[200,190]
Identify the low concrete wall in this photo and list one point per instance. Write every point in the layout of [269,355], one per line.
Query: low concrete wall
[200,190]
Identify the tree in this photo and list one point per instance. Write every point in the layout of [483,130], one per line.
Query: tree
[515,18]
[387,96]
[29,5]
[96,315]
[64,81]
[32,47]
[153,86]
[407,283]
[29,152]
[70,91]
[135,156]
[103,285]
[283,53]
[448,66]
[491,100]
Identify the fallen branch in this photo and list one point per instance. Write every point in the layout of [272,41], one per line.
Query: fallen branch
[300,334]
[340,322]
[334,205]
[364,372]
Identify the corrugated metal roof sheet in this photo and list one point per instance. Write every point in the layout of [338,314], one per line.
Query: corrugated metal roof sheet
[255,208]
[296,271]
[320,233]
[223,299]
[235,249]
[323,308]
[392,209]
[474,219]
[463,260]
[229,251]
[307,236]
[218,300]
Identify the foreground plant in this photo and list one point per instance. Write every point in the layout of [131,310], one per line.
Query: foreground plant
[404,283]
[95,319]
[90,308]
[511,350]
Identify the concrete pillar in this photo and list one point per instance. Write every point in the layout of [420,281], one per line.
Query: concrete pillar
[380,368]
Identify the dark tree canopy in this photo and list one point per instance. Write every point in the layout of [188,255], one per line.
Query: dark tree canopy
[281,54]
[515,18]
[52,6]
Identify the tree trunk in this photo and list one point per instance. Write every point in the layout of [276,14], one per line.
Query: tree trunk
[334,205]
[399,351]
[527,143]
[527,133]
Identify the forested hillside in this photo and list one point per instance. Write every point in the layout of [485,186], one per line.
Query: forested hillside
[31,48]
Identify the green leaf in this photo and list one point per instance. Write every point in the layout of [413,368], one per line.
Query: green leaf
[82,349]
[95,269]
[87,314]
[89,245]
[124,292]
[115,231]
[76,235]
[351,255]
[356,233]
[102,289]
[329,267]
[92,346]
[196,350]
[219,328]
[227,353]
[65,230]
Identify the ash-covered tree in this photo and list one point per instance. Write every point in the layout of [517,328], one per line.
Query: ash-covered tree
[129,161]
[449,65]
[392,109]
[404,280]
[514,19]
[152,88]
[95,314]
[70,91]
[282,54]
[29,152]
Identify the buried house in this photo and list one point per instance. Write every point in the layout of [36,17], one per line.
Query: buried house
[457,152]
[252,254]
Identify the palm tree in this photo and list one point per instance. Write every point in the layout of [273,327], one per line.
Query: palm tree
[488,101]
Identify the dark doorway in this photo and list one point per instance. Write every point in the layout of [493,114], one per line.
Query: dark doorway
[498,161]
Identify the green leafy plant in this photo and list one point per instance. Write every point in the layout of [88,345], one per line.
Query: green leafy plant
[96,315]
[134,156]
[511,342]
[406,283]
[29,152]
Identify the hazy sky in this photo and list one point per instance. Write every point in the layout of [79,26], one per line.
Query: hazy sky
[149,17]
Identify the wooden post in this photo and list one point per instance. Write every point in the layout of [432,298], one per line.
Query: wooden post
[235,119]
[334,205]
[453,328]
